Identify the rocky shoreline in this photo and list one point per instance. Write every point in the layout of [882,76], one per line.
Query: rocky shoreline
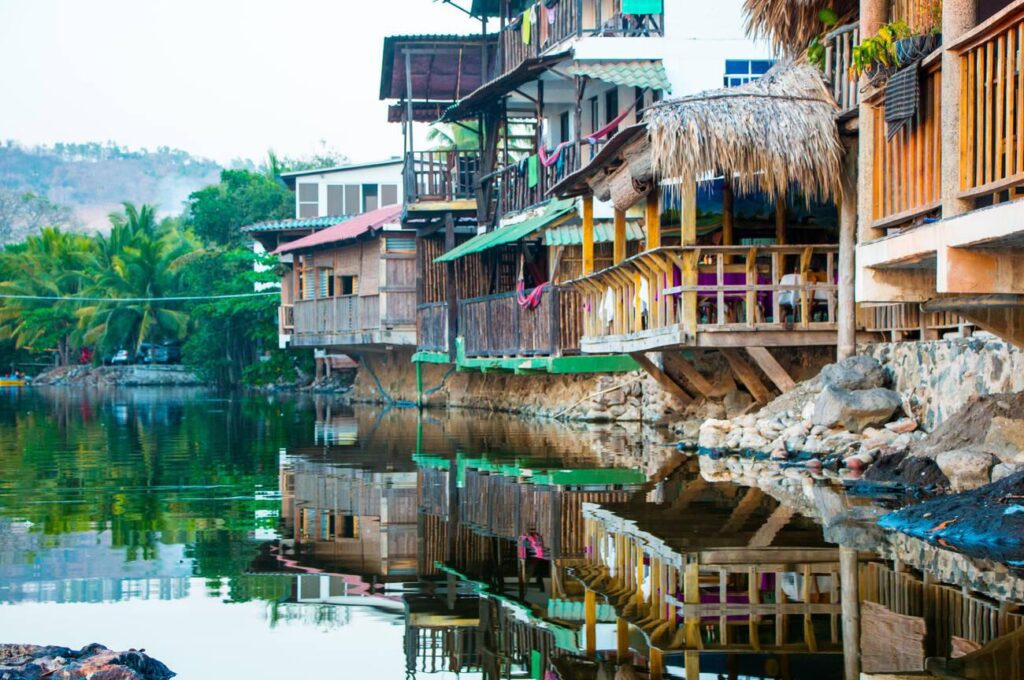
[119,376]
[32,662]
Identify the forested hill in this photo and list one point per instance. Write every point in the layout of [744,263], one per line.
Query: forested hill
[77,185]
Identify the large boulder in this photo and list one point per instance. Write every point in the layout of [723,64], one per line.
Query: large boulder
[855,409]
[854,373]
[966,469]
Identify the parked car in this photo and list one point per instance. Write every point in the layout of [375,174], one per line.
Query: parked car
[120,358]
[144,353]
[166,353]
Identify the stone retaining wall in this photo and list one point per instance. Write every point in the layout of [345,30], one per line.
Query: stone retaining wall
[939,377]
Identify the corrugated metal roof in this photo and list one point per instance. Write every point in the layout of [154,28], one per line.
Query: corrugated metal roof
[636,73]
[604,232]
[555,210]
[304,223]
[346,230]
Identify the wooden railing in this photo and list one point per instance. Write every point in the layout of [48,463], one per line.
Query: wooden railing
[432,326]
[345,314]
[901,320]
[285,319]
[839,46]
[908,167]
[513,181]
[572,18]
[441,175]
[496,325]
[714,288]
[992,107]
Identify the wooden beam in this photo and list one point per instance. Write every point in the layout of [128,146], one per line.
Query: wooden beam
[771,367]
[780,220]
[662,378]
[848,592]
[688,234]
[619,243]
[449,285]
[588,234]
[747,375]
[590,621]
[675,362]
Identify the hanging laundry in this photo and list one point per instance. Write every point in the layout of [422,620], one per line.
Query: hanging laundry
[532,171]
[527,23]
[550,10]
[549,158]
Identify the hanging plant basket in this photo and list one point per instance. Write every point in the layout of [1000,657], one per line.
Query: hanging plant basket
[916,47]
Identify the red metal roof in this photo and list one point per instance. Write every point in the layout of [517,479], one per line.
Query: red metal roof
[343,231]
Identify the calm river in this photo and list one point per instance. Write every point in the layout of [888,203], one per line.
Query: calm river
[252,537]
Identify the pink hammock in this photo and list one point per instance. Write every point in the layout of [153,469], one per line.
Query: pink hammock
[531,300]
[603,132]
[546,160]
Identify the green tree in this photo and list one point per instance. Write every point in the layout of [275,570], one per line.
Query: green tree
[52,264]
[217,213]
[140,259]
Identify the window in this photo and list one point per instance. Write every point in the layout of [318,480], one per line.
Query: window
[370,197]
[325,282]
[563,127]
[309,200]
[742,71]
[349,527]
[353,206]
[349,285]
[400,244]
[611,107]
[335,199]
[388,194]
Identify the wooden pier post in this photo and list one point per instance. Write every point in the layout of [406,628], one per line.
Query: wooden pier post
[588,234]
[590,621]
[850,599]
[847,308]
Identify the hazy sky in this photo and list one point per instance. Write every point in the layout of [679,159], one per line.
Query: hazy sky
[218,78]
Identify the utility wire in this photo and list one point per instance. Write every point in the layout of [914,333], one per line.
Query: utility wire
[183,298]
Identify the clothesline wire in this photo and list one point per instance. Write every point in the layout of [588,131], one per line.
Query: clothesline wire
[177,298]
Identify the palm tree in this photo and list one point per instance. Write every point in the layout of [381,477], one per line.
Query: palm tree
[140,260]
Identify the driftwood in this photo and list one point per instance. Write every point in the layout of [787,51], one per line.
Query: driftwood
[626,191]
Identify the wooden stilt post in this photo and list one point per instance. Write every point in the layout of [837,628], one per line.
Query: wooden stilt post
[780,220]
[451,294]
[728,219]
[657,663]
[847,308]
[590,621]
[419,383]
[850,599]
[621,640]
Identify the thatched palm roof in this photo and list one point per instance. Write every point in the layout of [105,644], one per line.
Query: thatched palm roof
[774,134]
[791,24]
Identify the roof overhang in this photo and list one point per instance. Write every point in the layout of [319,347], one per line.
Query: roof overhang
[607,158]
[442,68]
[486,95]
[348,230]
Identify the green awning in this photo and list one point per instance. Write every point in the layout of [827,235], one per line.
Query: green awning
[633,73]
[555,210]
[604,232]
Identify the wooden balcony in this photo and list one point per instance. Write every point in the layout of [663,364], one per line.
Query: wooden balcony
[432,327]
[907,179]
[573,19]
[348,320]
[845,86]
[497,326]
[992,108]
[713,296]
[441,176]
[513,182]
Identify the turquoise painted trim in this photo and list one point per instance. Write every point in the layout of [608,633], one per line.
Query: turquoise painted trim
[583,363]
[431,358]
[534,473]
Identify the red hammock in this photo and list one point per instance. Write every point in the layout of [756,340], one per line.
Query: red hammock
[531,300]
[610,126]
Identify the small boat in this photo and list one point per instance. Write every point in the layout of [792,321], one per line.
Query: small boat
[11,381]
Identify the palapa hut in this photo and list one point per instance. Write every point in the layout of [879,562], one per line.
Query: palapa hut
[777,138]
[790,25]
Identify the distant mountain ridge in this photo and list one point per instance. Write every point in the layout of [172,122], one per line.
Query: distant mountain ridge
[93,178]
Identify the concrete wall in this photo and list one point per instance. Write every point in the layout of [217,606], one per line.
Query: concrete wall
[379,175]
[939,377]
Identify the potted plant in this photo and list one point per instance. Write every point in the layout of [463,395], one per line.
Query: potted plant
[876,55]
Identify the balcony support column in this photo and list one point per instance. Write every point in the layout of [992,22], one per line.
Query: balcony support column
[449,286]
[653,218]
[619,242]
[958,17]
[588,234]
[846,308]
[873,13]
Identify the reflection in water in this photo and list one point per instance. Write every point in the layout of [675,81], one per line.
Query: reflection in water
[434,544]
